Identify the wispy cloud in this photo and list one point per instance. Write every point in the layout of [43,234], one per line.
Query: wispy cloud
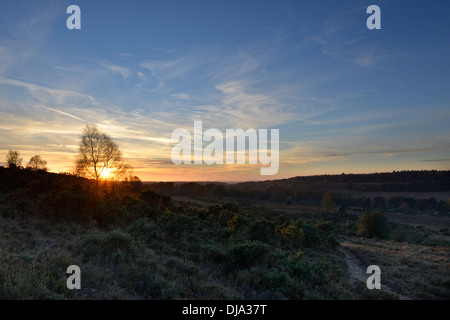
[25,37]
[124,72]
[51,96]
[366,58]
[344,37]
[436,160]
[141,76]
[252,110]
[182,96]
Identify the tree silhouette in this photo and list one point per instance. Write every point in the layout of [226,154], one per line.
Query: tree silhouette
[99,156]
[37,163]
[13,159]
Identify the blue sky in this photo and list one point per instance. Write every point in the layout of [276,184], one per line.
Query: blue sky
[345,98]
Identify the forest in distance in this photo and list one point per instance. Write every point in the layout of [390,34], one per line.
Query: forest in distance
[403,190]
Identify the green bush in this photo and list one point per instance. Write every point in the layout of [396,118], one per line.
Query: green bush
[143,229]
[311,235]
[213,253]
[399,233]
[332,240]
[67,205]
[237,222]
[261,230]
[116,245]
[176,223]
[296,266]
[291,234]
[373,224]
[325,226]
[247,254]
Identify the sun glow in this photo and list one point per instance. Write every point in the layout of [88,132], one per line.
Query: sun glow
[106,173]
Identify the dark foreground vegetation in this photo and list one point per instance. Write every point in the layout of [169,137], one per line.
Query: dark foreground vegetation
[134,243]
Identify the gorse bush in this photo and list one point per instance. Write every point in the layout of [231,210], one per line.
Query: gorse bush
[247,254]
[66,205]
[297,232]
[114,245]
[176,223]
[261,230]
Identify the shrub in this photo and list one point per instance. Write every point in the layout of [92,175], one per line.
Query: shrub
[291,233]
[143,229]
[247,254]
[296,266]
[399,233]
[373,224]
[154,200]
[331,240]
[116,244]
[176,223]
[311,235]
[261,230]
[213,253]
[325,226]
[66,205]
[237,222]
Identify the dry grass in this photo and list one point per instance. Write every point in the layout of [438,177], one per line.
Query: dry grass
[34,256]
[416,271]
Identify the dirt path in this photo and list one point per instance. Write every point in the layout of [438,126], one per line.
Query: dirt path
[358,272]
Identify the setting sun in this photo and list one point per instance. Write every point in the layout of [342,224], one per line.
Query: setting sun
[106,173]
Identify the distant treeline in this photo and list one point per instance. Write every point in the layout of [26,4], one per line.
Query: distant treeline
[310,190]
[397,181]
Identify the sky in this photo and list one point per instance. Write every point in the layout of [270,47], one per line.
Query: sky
[344,98]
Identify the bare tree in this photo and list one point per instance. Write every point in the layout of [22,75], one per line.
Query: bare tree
[13,159]
[37,163]
[99,156]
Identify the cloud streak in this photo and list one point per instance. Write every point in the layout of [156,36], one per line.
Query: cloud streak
[63,113]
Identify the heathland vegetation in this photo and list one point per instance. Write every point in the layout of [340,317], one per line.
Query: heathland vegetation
[135,242]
